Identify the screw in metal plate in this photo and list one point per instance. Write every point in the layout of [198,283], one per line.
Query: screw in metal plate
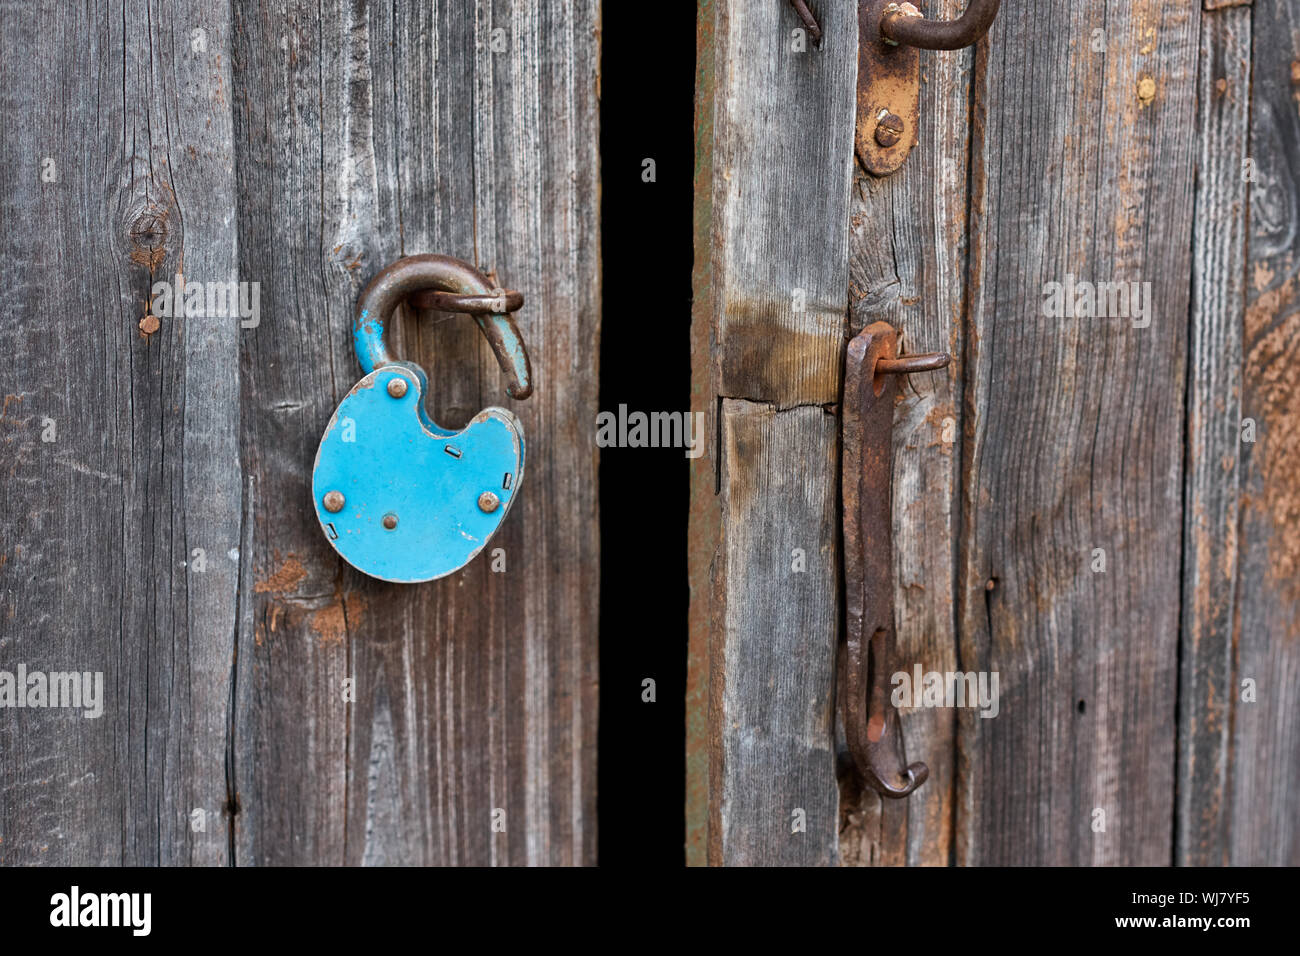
[889,128]
[334,501]
[397,387]
[390,522]
[488,502]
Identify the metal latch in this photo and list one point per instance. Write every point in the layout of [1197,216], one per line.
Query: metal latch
[889,72]
[871,369]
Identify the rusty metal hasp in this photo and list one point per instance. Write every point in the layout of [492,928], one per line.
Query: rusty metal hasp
[871,371]
[889,72]
[399,497]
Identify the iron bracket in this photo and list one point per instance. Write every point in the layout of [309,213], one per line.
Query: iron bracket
[889,72]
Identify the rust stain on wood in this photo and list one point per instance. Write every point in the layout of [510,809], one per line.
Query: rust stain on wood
[772,354]
[291,573]
[332,623]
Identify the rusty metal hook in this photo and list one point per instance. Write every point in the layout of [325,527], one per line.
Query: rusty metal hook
[903,23]
[809,21]
[870,721]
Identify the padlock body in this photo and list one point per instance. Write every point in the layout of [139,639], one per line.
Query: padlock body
[417,502]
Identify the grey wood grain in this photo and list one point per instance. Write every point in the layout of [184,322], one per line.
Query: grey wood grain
[778,144]
[1211,506]
[1084,165]
[389,131]
[1108,143]
[119,542]
[778,796]
[1263,800]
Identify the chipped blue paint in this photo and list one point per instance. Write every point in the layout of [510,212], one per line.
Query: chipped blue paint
[368,341]
[387,457]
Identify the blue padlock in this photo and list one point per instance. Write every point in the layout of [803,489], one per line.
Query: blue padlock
[399,497]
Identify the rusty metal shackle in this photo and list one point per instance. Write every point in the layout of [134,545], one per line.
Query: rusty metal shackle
[451,285]
[903,23]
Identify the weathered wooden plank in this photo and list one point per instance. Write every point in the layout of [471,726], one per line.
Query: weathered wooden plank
[1264,814]
[780,183]
[1084,166]
[704,523]
[121,531]
[371,133]
[907,267]
[778,797]
[1210,546]
[777,134]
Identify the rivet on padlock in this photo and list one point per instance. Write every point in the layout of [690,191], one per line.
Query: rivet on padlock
[399,497]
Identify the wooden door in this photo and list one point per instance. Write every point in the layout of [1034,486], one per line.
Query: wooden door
[157,525]
[1100,511]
